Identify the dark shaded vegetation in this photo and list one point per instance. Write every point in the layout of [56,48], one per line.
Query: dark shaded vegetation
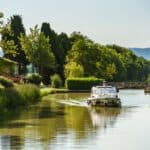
[33,78]
[7,83]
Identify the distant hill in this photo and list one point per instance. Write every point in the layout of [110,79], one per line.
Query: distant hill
[144,52]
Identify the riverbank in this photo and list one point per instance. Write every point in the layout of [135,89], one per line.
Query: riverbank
[129,85]
[119,85]
[18,96]
[49,90]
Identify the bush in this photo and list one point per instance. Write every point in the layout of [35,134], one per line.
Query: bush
[29,93]
[72,69]
[56,81]
[7,83]
[82,83]
[20,95]
[34,78]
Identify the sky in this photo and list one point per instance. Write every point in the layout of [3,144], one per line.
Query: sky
[122,22]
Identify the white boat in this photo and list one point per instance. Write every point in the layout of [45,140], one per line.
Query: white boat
[104,96]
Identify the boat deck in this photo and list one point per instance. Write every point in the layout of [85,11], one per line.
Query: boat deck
[109,102]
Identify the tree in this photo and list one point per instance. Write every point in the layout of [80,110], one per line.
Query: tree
[38,49]
[10,38]
[110,71]
[60,45]
[64,42]
[96,60]
[1,22]
[72,69]
[136,68]
[17,29]
[7,42]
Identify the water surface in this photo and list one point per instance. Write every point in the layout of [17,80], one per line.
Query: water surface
[63,121]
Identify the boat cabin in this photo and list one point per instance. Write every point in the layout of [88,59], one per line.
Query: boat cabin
[99,91]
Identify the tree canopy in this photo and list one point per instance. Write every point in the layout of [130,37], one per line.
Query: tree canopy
[69,56]
[38,49]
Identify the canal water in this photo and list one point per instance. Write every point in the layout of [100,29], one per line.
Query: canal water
[64,122]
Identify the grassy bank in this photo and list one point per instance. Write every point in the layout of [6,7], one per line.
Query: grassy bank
[47,91]
[18,96]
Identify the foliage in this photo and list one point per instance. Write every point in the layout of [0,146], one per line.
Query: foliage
[47,91]
[7,43]
[73,56]
[111,62]
[60,45]
[148,79]
[7,67]
[20,95]
[38,50]
[56,81]
[135,68]
[72,69]
[7,83]
[34,78]
[82,83]
[29,93]
[10,41]
[1,22]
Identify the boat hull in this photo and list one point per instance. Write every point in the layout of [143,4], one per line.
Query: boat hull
[105,102]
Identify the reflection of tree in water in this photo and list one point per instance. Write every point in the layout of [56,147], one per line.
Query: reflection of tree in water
[51,122]
[11,142]
[103,117]
[78,120]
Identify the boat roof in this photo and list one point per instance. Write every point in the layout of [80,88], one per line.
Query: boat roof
[104,86]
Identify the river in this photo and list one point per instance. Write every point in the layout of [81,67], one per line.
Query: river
[64,122]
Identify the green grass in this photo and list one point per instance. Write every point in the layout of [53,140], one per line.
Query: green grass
[47,91]
[18,96]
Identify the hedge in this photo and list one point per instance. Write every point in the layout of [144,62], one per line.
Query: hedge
[82,83]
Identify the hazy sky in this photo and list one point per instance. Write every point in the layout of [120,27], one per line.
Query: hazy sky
[123,22]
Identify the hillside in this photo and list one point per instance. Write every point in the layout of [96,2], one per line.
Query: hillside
[144,52]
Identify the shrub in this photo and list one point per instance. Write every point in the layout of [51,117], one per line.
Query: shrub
[82,83]
[29,93]
[20,95]
[34,78]
[7,83]
[56,81]
[72,69]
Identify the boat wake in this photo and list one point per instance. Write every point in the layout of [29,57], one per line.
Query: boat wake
[81,103]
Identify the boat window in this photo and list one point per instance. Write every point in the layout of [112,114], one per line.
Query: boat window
[103,90]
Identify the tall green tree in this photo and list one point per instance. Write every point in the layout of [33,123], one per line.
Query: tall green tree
[7,42]
[11,44]
[17,28]
[60,44]
[49,33]
[38,50]
[1,21]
